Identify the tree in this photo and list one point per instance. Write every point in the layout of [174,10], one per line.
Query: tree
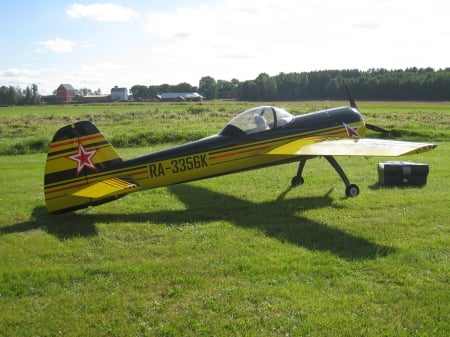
[266,86]
[28,99]
[208,87]
[183,87]
[84,92]
[13,95]
[153,91]
[35,93]
[4,95]
[164,88]
[139,92]
[226,89]
[248,90]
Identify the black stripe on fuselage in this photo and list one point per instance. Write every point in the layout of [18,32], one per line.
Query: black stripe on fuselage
[75,148]
[311,124]
[69,176]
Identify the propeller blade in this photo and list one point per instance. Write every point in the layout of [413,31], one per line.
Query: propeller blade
[353,105]
[350,98]
[376,128]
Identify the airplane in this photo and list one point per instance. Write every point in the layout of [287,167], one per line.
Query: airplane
[83,169]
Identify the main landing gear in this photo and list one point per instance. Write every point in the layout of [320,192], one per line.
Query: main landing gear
[351,190]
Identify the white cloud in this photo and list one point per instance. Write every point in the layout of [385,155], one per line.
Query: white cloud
[56,45]
[229,39]
[93,74]
[18,75]
[233,38]
[86,44]
[101,12]
[23,77]
[61,46]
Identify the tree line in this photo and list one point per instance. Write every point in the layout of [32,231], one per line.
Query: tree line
[16,96]
[373,84]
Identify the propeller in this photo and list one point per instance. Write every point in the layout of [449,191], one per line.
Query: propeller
[353,105]
[351,99]
[376,128]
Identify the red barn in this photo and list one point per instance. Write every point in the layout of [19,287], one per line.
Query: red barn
[65,93]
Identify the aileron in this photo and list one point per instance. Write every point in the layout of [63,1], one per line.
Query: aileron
[364,147]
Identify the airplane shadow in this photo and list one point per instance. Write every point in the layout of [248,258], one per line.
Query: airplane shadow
[62,226]
[281,219]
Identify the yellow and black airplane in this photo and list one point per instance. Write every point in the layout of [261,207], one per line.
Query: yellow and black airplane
[83,169]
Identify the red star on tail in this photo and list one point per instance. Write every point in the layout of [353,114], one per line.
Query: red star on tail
[83,159]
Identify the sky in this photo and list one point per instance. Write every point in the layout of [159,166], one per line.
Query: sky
[100,44]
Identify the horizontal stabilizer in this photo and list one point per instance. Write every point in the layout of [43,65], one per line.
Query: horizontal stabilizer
[354,147]
[107,188]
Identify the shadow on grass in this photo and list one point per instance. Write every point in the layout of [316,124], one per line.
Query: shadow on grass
[378,186]
[281,218]
[62,226]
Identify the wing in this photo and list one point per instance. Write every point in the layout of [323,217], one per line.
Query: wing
[353,147]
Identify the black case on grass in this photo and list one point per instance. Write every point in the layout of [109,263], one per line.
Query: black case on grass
[400,173]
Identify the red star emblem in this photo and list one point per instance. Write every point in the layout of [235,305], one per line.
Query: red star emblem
[352,131]
[83,159]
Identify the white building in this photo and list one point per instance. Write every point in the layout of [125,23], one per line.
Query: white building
[119,94]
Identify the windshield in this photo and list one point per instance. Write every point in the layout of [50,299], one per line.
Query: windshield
[260,119]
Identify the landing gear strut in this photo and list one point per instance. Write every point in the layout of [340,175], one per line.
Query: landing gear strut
[298,179]
[351,190]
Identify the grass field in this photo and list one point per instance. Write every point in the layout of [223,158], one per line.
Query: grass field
[239,255]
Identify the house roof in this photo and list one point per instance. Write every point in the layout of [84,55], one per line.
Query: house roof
[173,95]
[67,86]
[116,88]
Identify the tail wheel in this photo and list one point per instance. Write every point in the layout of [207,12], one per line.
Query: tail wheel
[352,190]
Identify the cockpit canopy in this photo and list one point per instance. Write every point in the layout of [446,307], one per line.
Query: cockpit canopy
[257,120]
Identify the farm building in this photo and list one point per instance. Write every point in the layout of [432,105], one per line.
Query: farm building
[119,94]
[179,97]
[65,93]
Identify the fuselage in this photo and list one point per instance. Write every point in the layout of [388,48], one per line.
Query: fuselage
[83,168]
[233,150]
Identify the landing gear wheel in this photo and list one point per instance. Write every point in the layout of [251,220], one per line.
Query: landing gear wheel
[296,181]
[352,190]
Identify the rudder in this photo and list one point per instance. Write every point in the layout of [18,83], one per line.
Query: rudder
[77,152]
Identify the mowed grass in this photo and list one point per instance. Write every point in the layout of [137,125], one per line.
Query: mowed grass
[238,255]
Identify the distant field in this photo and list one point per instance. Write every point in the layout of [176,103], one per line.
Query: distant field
[29,129]
[239,255]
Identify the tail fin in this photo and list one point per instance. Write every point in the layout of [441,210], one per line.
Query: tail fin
[76,154]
